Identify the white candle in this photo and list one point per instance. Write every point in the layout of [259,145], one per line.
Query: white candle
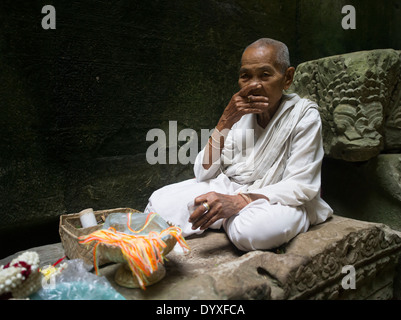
[87,218]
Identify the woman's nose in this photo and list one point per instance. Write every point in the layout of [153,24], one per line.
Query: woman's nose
[257,89]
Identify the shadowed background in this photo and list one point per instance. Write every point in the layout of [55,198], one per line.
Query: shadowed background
[78,101]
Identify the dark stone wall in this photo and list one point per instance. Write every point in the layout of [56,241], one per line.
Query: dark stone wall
[78,101]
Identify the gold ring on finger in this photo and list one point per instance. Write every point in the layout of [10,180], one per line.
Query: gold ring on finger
[206,206]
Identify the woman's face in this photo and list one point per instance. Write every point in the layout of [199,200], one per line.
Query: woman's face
[259,65]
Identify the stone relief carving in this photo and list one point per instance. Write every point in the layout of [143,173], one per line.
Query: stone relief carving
[370,250]
[359,95]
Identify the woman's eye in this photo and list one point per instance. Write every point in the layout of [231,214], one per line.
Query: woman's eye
[265,74]
[244,76]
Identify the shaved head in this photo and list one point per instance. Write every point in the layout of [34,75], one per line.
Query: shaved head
[282,53]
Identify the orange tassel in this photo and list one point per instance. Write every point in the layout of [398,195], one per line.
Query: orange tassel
[143,253]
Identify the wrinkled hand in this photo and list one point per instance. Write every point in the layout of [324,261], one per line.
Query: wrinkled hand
[221,206]
[243,102]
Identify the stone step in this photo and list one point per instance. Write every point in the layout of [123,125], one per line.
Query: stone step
[342,258]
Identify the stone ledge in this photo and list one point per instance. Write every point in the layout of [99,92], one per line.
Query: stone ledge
[310,266]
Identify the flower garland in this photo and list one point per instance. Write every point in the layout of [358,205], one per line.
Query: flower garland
[14,276]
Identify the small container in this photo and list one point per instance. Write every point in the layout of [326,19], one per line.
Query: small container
[87,218]
[191,207]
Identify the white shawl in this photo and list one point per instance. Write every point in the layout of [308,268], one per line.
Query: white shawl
[266,164]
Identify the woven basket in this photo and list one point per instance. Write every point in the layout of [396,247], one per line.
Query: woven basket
[70,230]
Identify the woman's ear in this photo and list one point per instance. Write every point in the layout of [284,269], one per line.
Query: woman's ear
[289,77]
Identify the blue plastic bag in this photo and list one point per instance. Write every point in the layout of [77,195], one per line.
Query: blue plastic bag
[75,282]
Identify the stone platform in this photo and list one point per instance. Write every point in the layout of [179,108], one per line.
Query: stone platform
[309,267]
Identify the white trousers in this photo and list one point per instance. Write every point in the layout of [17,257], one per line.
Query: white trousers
[258,226]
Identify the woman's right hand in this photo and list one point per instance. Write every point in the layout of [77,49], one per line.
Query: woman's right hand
[241,103]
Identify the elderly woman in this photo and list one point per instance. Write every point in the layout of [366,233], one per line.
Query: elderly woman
[262,193]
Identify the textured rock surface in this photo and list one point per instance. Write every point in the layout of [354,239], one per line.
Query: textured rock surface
[359,95]
[310,266]
[78,101]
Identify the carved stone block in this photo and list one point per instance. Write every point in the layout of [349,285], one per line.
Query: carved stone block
[311,266]
[371,249]
[359,95]
[308,267]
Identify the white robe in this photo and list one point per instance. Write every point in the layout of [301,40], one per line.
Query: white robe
[284,164]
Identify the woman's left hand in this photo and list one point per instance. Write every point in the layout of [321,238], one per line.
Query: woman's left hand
[221,206]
